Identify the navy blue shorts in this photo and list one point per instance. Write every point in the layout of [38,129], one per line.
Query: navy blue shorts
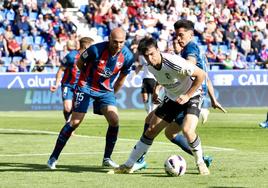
[100,100]
[67,93]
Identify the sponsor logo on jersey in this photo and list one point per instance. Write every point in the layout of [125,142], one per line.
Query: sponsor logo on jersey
[167,75]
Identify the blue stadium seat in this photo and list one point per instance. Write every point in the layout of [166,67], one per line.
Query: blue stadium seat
[29,40]
[18,39]
[2,30]
[83,8]
[10,15]
[7,60]
[224,48]
[38,40]
[16,59]
[2,13]
[33,16]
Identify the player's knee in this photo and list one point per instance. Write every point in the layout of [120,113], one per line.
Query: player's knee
[113,122]
[75,123]
[150,133]
[169,134]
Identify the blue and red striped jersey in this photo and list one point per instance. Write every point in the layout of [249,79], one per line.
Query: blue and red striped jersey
[102,69]
[71,72]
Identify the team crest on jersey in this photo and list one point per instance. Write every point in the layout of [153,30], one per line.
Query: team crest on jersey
[119,64]
[102,61]
[168,75]
[85,54]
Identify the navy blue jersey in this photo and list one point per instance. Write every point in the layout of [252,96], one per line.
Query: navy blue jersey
[71,72]
[102,69]
[192,50]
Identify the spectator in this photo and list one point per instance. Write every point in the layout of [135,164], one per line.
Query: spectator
[210,54]
[3,46]
[246,45]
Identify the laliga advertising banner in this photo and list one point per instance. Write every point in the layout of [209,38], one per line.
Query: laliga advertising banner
[30,91]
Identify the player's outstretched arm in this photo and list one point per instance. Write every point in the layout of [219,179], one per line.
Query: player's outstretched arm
[215,104]
[119,82]
[53,88]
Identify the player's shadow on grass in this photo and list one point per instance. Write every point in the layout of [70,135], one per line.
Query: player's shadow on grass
[26,167]
[160,173]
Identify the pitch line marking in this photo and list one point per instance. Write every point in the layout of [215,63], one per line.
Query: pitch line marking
[99,137]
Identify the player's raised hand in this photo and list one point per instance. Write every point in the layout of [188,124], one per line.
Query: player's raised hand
[216,104]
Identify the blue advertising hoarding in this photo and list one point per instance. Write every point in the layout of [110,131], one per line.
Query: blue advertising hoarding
[30,91]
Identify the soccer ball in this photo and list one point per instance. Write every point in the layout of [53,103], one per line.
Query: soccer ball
[175,165]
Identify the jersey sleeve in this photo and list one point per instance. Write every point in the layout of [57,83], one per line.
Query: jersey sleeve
[89,54]
[67,61]
[185,67]
[192,50]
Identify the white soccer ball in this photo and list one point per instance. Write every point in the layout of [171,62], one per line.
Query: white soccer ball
[175,165]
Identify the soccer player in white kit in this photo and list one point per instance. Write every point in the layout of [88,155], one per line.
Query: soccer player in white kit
[182,82]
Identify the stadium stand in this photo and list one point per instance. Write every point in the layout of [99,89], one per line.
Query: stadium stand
[43,24]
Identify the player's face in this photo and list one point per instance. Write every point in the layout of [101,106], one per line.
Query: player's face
[152,56]
[116,44]
[176,46]
[184,36]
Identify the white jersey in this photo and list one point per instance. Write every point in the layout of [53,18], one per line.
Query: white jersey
[146,73]
[175,75]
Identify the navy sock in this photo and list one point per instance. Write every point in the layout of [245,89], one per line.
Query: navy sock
[63,137]
[111,137]
[67,115]
[182,142]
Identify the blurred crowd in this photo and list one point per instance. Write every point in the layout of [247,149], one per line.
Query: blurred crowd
[233,34]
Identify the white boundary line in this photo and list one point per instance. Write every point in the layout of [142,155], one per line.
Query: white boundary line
[92,137]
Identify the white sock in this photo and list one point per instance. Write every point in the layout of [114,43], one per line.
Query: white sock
[197,151]
[139,149]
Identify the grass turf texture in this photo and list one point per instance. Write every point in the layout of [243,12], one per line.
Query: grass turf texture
[238,145]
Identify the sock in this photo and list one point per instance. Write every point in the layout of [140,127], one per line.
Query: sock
[141,159]
[139,150]
[111,137]
[267,117]
[182,142]
[63,137]
[197,150]
[67,115]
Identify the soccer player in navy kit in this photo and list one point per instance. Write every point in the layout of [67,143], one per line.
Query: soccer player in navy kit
[104,67]
[70,74]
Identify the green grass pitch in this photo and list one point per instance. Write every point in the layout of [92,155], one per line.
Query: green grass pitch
[239,148]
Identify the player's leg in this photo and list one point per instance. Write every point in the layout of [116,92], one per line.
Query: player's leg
[204,110]
[189,130]
[67,97]
[143,145]
[105,104]
[265,123]
[111,115]
[160,118]
[80,109]
[171,133]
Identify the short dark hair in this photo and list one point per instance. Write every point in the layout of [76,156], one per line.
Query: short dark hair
[146,43]
[85,41]
[187,24]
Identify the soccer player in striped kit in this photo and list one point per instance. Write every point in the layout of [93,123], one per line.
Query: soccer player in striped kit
[70,74]
[104,68]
